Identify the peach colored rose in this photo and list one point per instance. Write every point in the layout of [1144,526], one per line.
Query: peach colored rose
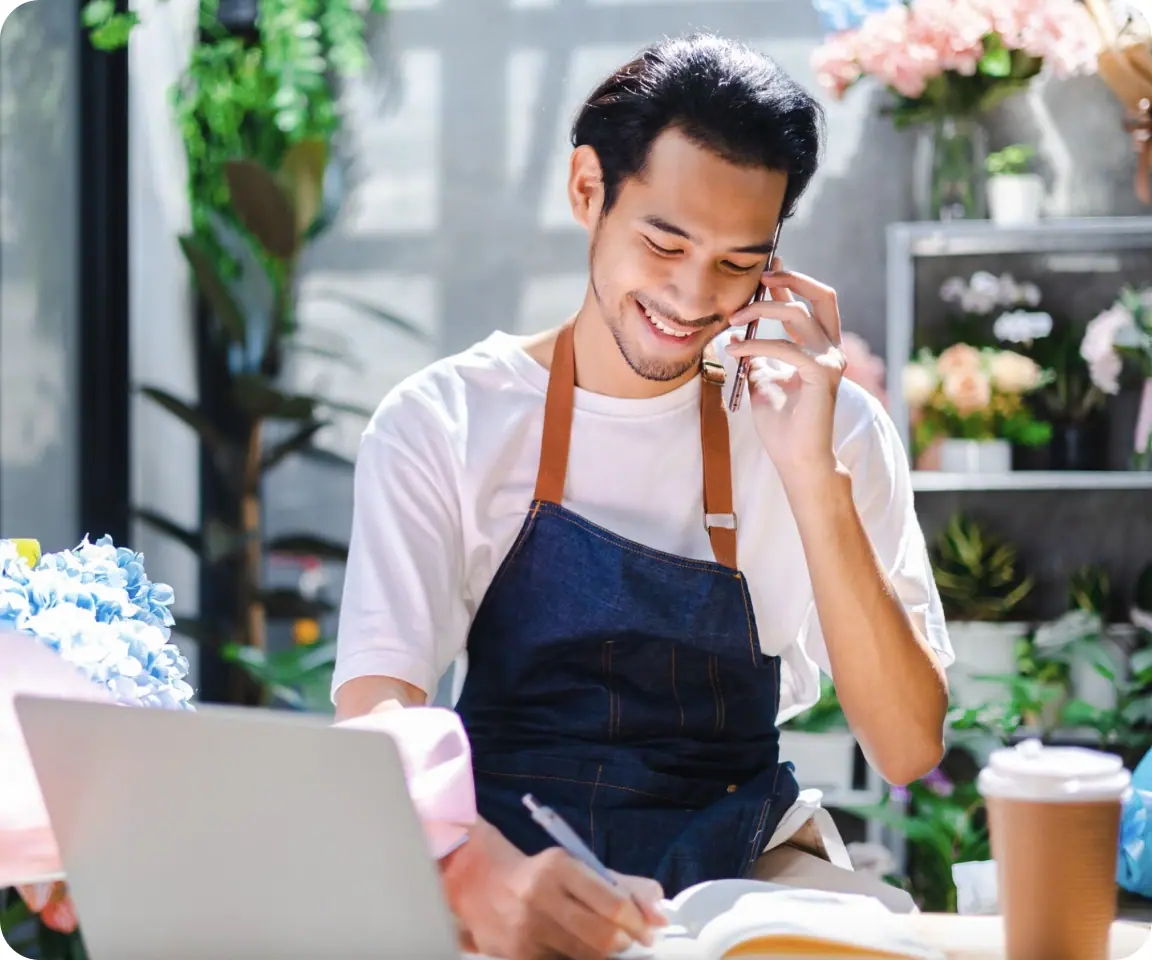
[969,392]
[958,358]
[919,383]
[1014,373]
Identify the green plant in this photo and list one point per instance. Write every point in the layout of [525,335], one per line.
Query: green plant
[944,823]
[257,113]
[977,573]
[1125,726]
[299,677]
[1090,590]
[824,715]
[1011,161]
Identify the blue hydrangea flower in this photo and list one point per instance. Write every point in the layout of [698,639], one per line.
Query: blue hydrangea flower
[95,606]
[837,15]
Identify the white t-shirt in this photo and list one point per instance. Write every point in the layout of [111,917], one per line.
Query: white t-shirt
[446,472]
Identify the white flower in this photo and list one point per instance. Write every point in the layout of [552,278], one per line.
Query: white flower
[1071,627]
[1031,294]
[953,290]
[1098,348]
[1022,326]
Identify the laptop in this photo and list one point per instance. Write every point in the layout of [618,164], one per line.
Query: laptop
[235,834]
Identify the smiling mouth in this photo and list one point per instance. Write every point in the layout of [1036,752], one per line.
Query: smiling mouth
[663,327]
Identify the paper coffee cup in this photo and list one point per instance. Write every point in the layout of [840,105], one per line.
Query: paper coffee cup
[1054,820]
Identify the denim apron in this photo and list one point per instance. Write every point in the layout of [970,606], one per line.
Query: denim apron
[625,687]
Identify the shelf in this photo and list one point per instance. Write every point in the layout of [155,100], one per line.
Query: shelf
[938,482]
[1063,235]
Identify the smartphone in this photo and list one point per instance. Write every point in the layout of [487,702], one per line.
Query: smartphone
[740,382]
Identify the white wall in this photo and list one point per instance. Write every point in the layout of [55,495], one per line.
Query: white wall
[165,475]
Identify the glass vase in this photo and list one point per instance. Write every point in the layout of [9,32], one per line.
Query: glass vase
[949,174]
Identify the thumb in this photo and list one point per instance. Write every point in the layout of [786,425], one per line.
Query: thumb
[648,893]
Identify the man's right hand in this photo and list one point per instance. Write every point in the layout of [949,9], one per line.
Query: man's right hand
[546,906]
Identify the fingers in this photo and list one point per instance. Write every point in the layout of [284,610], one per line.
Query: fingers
[821,323]
[825,308]
[613,904]
[795,316]
[579,914]
[648,894]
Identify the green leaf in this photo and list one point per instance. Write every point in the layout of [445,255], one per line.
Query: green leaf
[1141,660]
[372,311]
[303,172]
[296,443]
[214,289]
[114,33]
[263,207]
[305,545]
[190,415]
[286,604]
[190,538]
[996,63]
[261,400]
[96,12]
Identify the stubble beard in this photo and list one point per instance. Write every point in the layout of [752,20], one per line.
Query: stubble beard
[648,368]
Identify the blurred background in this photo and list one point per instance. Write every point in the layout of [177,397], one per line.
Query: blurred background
[227,230]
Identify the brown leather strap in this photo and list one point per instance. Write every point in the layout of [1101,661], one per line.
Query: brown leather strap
[719,518]
[719,514]
[558,406]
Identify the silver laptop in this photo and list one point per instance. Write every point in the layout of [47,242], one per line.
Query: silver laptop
[235,834]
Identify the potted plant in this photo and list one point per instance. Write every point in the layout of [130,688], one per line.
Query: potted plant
[821,746]
[981,585]
[1124,332]
[1015,191]
[969,404]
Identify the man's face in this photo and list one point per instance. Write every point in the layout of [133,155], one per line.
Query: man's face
[680,251]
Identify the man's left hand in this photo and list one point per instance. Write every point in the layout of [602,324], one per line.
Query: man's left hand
[793,384]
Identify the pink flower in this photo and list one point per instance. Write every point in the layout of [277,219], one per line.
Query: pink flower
[863,367]
[834,63]
[53,903]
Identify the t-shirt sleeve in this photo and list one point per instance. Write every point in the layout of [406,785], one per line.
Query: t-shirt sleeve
[402,613]
[882,490]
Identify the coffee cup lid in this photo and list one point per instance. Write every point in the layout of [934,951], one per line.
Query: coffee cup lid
[1032,771]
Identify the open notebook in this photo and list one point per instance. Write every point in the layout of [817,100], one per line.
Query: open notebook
[751,918]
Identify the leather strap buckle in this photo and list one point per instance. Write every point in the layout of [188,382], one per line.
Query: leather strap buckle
[725,521]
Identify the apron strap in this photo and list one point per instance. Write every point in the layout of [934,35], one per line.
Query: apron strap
[559,403]
[719,513]
[558,406]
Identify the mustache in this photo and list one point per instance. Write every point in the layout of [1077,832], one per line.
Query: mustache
[663,310]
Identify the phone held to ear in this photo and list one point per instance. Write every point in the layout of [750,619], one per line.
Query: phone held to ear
[740,381]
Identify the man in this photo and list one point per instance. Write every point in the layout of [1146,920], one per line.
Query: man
[643,583]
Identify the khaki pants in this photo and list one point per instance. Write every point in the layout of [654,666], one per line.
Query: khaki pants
[800,863]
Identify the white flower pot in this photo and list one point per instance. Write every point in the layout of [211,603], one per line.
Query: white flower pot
[975,456]
[1088,684]
[987,649]
[823,761]
[1015,199]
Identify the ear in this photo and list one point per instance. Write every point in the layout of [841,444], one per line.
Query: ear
[585,186]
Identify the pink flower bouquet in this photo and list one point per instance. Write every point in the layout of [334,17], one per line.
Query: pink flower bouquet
[958,57]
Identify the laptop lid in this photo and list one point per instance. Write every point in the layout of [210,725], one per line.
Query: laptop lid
[234,834]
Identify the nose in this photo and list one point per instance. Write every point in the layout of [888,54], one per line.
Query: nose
[695,290]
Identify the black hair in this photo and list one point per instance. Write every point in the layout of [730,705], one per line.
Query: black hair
[720,94]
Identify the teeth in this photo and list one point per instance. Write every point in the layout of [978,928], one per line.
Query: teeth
[663,327]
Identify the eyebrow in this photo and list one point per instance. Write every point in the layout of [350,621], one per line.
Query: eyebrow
[659,223]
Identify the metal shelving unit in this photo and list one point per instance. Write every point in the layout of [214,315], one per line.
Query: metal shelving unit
[909,242]
[935,481]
